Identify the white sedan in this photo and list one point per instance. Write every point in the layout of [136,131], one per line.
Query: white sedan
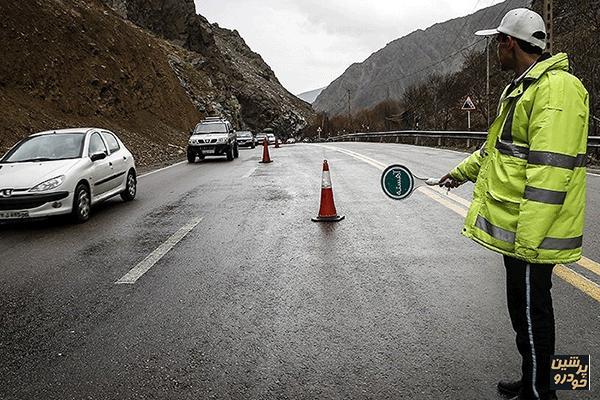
[64,172]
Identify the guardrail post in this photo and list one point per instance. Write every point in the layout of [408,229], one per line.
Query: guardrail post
[416,140]
[468,143]
[440,141]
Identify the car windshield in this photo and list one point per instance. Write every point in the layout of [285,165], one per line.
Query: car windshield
[244,135]
[210,128]
[261,135]
[58,146]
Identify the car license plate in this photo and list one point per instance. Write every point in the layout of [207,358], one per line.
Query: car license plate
[14,214]
[208,151]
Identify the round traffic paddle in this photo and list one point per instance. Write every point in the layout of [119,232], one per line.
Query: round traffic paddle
[398,182]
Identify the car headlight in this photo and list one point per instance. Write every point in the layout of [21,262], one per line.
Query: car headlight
[221,140]
[49,184]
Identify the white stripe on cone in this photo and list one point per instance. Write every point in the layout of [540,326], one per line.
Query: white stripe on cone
[326,180]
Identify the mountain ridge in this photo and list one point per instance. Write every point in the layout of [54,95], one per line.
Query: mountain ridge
[81,63]
[402,62]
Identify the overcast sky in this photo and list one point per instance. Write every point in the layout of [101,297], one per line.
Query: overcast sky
[309,43]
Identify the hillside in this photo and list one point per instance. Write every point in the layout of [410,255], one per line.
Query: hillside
[409,60]
[81,63]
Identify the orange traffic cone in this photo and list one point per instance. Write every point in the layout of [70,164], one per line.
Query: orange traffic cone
[327,212]
[266,158]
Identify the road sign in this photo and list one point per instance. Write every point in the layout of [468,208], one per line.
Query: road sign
[397,182]
[469,105]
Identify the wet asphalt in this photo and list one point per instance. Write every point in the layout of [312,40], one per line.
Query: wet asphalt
[258,302]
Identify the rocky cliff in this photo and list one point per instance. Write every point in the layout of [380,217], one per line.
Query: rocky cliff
[149,70]
[253,92]
[409,60]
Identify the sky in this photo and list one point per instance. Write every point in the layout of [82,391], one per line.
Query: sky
[309,43]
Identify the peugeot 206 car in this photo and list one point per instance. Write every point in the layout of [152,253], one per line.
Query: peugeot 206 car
[64,172]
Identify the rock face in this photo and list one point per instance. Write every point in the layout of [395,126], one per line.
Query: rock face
[81,63]
[256,98]
[409,60]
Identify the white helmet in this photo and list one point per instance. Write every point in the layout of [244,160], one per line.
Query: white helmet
[521,23]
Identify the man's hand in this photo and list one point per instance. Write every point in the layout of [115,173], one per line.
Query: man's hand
[449,182]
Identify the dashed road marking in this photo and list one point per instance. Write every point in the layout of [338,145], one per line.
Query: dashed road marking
[161,169]
[568,275]
[144,266]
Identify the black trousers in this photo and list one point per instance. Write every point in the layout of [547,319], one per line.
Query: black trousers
[532,316]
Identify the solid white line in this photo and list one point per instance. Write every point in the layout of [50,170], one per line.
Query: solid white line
[442,197]
[161,169]
[423,189]
[144,266]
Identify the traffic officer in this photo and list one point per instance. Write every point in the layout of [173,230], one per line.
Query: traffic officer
[530,181]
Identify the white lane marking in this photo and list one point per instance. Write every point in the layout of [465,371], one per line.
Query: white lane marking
[439,197]
[423,189]
[593,174]
[144,266]
[249,173]
[446,193]
[567,274]
[161,169]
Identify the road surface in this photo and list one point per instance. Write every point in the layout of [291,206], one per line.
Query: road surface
[214,283]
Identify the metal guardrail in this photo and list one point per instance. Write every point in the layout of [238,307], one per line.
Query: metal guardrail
[442,137]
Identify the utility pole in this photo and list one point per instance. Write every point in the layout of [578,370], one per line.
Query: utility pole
[387,110]
[349,110]
[548,18]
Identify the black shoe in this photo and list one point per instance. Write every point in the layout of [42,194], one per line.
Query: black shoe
[509,388]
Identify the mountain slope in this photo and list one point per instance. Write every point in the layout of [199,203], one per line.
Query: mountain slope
[406,61]
[68,63]
[250,86]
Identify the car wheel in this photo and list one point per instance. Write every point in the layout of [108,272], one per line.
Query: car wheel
[191,157]
[229,153]
[82,204]
[130,188]
[236,151]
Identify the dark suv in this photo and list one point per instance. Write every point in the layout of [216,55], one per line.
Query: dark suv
[212,137]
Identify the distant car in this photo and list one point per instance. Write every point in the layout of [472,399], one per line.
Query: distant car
[246,139]
[65,172]
[290,141]
[213,136]
[271,138]
[260,138]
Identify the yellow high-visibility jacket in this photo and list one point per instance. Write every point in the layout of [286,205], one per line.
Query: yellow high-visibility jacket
[530,176]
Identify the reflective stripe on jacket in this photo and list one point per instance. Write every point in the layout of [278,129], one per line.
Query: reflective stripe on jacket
[530,176]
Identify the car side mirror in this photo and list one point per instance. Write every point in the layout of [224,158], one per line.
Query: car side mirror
[98,156]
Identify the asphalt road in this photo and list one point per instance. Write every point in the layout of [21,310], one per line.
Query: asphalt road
[252,300]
